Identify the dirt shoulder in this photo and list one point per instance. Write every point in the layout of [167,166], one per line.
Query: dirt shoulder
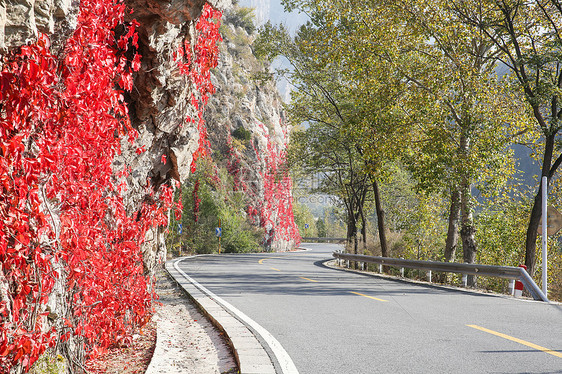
[187,342]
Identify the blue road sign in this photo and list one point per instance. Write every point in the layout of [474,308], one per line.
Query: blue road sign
[306,225]
[179,229]
[218,232]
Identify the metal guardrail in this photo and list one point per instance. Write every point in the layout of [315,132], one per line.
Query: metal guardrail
[508,272]
[323,239]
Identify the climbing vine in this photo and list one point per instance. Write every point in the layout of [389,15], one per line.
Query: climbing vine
[196,62]
[276,213]
[274,210]
[64,223]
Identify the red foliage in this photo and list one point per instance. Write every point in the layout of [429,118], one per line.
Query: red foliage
[273,211]
[196,62]
[61,121]
[277,212]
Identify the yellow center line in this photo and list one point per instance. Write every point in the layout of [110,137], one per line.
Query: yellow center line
[370,297]
[275,269]
[528,344]
[308,279]
[263,259]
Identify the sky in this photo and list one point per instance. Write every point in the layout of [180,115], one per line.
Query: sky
[273,10]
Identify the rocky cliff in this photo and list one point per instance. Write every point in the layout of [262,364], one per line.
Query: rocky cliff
[166,49]
[247,125]
[158,104]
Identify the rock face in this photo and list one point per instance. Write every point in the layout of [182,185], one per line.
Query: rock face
[247,125]
[245,118]
[159,102]
[22,20]
[159,105]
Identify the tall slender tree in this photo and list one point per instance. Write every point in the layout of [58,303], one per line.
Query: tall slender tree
[356,104]
[527,36]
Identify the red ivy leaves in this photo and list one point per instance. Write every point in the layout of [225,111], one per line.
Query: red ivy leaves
[277,211]
[273,211]
[60,202]
[196,62]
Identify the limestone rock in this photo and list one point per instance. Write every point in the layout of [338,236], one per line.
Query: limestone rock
[244,101]
[22,20]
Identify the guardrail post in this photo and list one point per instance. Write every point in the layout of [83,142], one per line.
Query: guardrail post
[518,287]
[511,287]
[347,264]
[429,276]
[464,280]
[380,268]
[402,272]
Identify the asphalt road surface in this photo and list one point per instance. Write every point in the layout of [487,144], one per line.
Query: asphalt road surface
[333,321]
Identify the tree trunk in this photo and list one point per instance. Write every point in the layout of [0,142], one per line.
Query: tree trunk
[352,235]
[468,230]
[453,230]
[380,219]
[355,244]
[363,229]
[531,239]
[351,230]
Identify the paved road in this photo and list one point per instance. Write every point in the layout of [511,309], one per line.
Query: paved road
[331,321]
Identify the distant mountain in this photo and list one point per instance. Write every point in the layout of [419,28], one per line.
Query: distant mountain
[527,169]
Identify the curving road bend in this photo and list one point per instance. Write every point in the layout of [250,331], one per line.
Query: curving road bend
[332,321]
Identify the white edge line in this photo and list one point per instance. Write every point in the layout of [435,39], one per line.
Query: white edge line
[283,358]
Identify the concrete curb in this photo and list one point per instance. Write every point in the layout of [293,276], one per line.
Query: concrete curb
[158,351]
[250,355]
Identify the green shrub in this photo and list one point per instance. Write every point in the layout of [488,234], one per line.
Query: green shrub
[215,203]
[242,134]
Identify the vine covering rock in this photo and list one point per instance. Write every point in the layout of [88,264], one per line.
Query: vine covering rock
[72,276]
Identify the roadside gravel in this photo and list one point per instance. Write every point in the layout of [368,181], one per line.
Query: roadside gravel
[182,339]
[186,341]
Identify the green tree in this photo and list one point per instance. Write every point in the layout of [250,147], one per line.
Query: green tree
[305,220]
[321,227]
[350,110]
[462,122]
[208,198]
[418,78]
[321,101]
[527,37]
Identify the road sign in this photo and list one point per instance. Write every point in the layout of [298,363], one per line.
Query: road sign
[179,229]
[306,225]
[554,221]
[218,232]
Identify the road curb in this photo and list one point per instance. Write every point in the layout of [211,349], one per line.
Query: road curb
[158,351]
[249,353]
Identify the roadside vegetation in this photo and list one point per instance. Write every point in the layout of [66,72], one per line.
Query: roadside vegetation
[410,113]
[206,200]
